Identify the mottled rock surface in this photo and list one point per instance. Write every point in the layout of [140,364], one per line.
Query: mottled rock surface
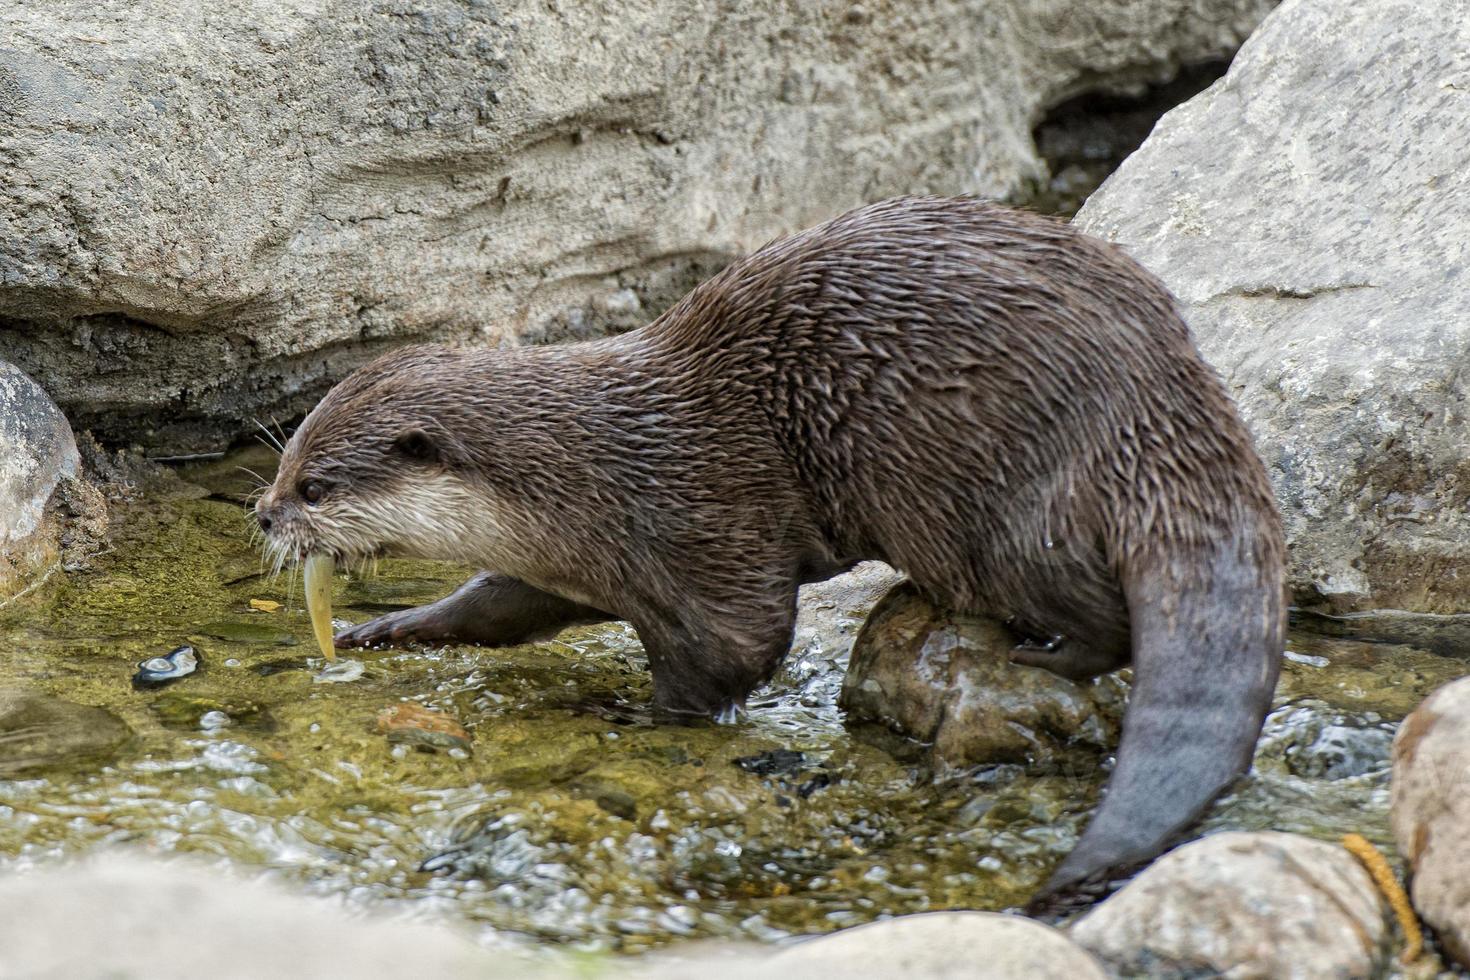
[37,453]
[1243,905]
[1311,211]
[1431,812]
[941,945]
[947,679]
[217,209]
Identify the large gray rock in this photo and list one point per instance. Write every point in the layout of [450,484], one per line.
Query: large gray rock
[1431,811]
[37,453]
[1243,905]
[941,945]
[128,918]
[212,210]
[1311,210]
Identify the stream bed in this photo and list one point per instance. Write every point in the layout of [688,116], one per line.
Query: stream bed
[562,813]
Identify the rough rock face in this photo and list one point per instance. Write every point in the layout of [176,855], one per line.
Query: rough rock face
[213,210]
[1243,905]
[37,453]
[1311,211]
[947,679]
[941,945]
[1431,812]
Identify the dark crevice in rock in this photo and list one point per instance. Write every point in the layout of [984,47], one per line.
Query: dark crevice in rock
[1085,138]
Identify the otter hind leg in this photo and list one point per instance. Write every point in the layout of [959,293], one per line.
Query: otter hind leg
[1069,658]
[490,609]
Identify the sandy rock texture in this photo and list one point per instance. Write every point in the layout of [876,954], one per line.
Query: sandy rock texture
[1431,812]
[124,917]
[1311,211]
[121,916]
[213,210]
[1247,906]
[940,946]
[37,454]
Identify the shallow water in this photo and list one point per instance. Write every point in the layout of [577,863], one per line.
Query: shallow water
[573,817]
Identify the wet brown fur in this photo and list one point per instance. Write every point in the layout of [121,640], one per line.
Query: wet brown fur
[1010,411]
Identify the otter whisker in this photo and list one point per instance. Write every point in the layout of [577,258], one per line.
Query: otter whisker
[270,440]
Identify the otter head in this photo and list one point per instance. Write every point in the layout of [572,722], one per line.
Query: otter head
[373,470]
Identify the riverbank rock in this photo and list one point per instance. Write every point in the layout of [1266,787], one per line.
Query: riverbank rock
[37,730]
[37,455]
[1431,812]
[1243,905]
[947,679]
[125,917]
[1310,211]
[217,211]
[940,945]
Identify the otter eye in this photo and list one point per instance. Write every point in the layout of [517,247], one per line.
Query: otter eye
[416,444]
[312,491]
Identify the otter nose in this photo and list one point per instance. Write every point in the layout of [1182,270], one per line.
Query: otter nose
[264,513]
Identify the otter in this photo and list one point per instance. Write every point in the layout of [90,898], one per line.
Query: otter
[1009,411]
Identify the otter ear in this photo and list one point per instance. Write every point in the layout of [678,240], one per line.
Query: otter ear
[417,445]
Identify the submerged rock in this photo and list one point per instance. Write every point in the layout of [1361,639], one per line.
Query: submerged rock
[413,724]
[1267,905]
[947,679]
[37,731]
[1318,254]
[37,455]
[1430,812]
[940,945]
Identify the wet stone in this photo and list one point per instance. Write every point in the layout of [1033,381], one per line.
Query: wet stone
[37,731]
[1246,905]
[947,679]
[781,762]
[341,672]
[413,724]
[1315,742]
[1431,812]
[281,666]
[170,668]
[176,709]
[941,945]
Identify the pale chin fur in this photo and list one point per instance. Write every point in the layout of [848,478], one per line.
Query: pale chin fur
[421,518]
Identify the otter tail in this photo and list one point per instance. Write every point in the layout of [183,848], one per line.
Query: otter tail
[1207,642]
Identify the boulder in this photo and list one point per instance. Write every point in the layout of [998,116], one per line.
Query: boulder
[1430,812]
[121,916]
[947,679]
[1263,905]
[940,945]
[214,211]
[1310,210]
[37,454]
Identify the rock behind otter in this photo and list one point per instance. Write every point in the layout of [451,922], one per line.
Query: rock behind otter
[1009,411]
